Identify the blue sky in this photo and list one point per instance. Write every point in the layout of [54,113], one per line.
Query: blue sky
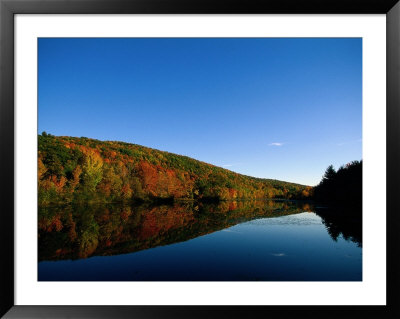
[273,108]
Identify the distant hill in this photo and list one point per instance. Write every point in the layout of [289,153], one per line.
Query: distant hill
[81,169]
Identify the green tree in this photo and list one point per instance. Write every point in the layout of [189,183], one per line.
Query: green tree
[92,170]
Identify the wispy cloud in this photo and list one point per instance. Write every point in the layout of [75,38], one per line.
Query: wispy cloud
[279,255]
[275,144]
[350,142]
[230,165]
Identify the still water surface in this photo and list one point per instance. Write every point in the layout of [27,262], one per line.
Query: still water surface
[228,241]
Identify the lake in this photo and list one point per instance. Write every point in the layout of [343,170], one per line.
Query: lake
[189,241]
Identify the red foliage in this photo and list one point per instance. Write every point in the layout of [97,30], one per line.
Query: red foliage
[232,205]
[159,220]
[149,177]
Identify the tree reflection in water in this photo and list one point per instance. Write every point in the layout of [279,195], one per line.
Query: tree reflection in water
[345,222]
[75,232]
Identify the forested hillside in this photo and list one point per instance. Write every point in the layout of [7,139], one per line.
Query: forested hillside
[74,169]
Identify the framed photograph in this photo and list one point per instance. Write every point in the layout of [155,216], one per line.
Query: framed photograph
[167,159]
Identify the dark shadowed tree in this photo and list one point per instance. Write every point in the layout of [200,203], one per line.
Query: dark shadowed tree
[343,186]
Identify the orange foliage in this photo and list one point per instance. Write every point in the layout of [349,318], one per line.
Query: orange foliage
[126,191]
[232,205]
[76,173]
[160,220]
[58,183]
[232,193]
[149,177]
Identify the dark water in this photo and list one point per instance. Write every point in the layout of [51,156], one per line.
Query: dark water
[229,241]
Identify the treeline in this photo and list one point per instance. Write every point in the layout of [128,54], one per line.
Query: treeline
[74,169]
[343,186]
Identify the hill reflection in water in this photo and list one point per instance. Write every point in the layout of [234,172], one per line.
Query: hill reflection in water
[76,232]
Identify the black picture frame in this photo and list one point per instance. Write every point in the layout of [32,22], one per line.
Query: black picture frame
[8,8]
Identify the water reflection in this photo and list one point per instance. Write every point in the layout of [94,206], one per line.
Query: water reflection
[76,232]
[342,222]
